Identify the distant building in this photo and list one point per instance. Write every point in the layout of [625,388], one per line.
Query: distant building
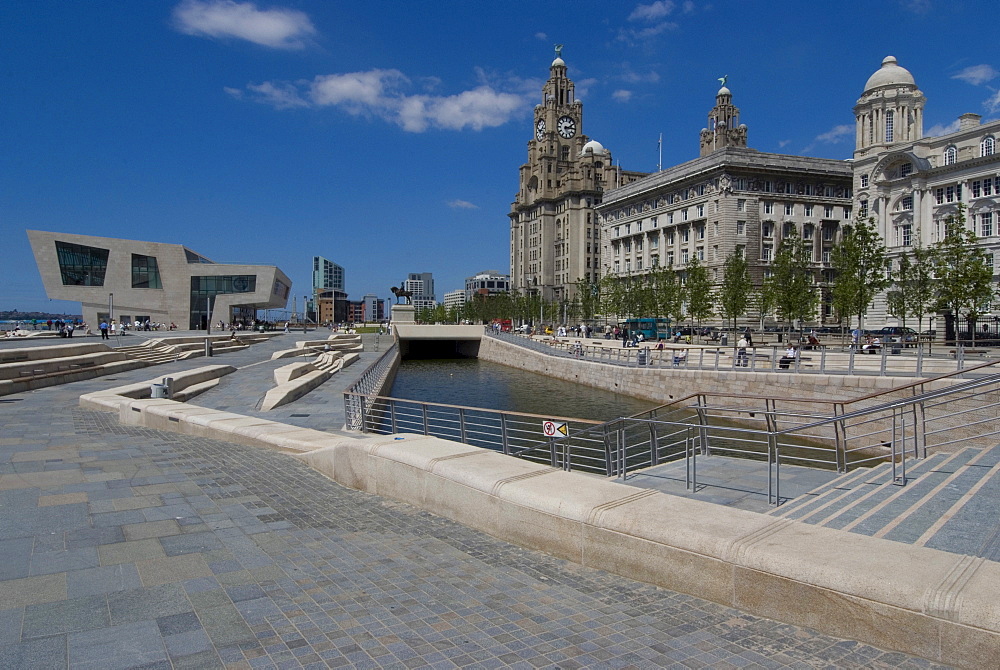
[554,232]
[729,200]
[370,309]
[421,285]
[328,291]
[910,183]
[487,282]
[454,299]
[164,283]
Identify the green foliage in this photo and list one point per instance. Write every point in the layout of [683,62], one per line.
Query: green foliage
[859,261]
[791,283]
[963,271]
[698,290]
[913,291]
[735,290]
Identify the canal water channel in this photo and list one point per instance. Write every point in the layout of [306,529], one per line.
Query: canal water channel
[471,382]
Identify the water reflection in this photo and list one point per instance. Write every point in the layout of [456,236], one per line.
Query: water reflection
[475,383]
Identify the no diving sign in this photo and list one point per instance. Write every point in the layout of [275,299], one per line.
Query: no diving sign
[555,428]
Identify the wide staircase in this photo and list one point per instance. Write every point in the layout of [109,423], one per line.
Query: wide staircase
[152,351]
[948,503]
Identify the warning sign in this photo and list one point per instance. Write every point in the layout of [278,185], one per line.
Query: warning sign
[555,428]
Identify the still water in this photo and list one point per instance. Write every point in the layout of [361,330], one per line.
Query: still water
[475,383]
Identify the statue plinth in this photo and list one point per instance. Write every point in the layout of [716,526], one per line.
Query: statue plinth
[403,314]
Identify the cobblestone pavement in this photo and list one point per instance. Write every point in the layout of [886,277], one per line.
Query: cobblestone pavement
[126,547]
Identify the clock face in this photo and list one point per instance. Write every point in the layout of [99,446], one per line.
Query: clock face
[540,129]
[567,127]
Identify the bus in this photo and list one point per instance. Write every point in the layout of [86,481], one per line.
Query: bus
[651,329]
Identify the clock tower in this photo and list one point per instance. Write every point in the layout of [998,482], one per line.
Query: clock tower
[555,238]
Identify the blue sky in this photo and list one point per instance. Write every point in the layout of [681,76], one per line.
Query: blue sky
[387,136]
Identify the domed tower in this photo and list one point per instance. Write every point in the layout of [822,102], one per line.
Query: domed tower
[890,110]
[724,127]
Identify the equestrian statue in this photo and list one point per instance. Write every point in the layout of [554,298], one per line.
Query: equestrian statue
[402,293]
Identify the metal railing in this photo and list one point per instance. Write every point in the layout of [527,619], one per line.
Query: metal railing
[369,384]
[892,359]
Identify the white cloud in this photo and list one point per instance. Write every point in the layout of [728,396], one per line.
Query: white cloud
[631,37]
[541,36]
[381,94]
[277,28]
[462,204]
[783,143]
[992,103]
[279,96]
[652,12]
[977,74]
[636,78]
[583,86]
[836,134]
[621,95]
[939,129]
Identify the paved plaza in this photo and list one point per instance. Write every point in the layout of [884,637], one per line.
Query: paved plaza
[126,547]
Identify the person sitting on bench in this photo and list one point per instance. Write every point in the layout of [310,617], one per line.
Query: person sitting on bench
[680,357]
[790,354]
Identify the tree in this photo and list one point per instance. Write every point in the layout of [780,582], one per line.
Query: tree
[963,271]
[668,293]
[859,261]
[734,292]
[791,282]
[913,286]
[699,291]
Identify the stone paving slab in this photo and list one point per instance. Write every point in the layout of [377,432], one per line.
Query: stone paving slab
[252,559]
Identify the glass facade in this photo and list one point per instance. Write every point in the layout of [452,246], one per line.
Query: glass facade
[192,257]
[145,272]
[81,265]
[205,288]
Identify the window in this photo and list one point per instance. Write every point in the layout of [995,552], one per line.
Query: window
[847,213]
[826,255]
[809,210]
[906,169]
[145,272]
[628,246]
[950,155]
[741,251]
[977,187]
[939,196]
[789,209]
[685,211]
[638,264]
[654,242]
[701,210]
[906,203]
[986,224]
[700,253]
[654,261]
[788,229]
[889,118]
[769,208]
[907,235]
[828,233]
[670,217]
[949,193]
[685,235]
[864,181]
[767,229]
[987,186]
[863,208]
[628,228]
[828,212]
[766,252]
[741,205]
[807,232]
[987,147]
[80,265]
[638,244]
[684,257]
[700,231]
[670,258]
[670,237]
[741,227]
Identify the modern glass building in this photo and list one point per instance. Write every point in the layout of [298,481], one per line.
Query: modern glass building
[129,280]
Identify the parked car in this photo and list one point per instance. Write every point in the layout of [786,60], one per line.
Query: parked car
[907,336]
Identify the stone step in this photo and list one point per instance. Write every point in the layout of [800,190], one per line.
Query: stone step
[871,504]
[962,527]
[819,496]
[924,513]
[849,488]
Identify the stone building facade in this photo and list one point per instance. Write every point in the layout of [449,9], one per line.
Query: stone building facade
[554,232]
[129,280]
[732,199]
[910,183]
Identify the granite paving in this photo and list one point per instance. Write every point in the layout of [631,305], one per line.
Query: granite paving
[126,547]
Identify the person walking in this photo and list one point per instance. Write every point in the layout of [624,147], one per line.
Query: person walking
[741,352]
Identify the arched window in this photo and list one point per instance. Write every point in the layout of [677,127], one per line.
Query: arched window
[950,155]
[988,146]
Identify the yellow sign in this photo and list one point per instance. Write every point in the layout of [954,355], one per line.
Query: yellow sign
[555,428]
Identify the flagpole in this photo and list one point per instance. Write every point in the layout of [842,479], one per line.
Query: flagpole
[659,146]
